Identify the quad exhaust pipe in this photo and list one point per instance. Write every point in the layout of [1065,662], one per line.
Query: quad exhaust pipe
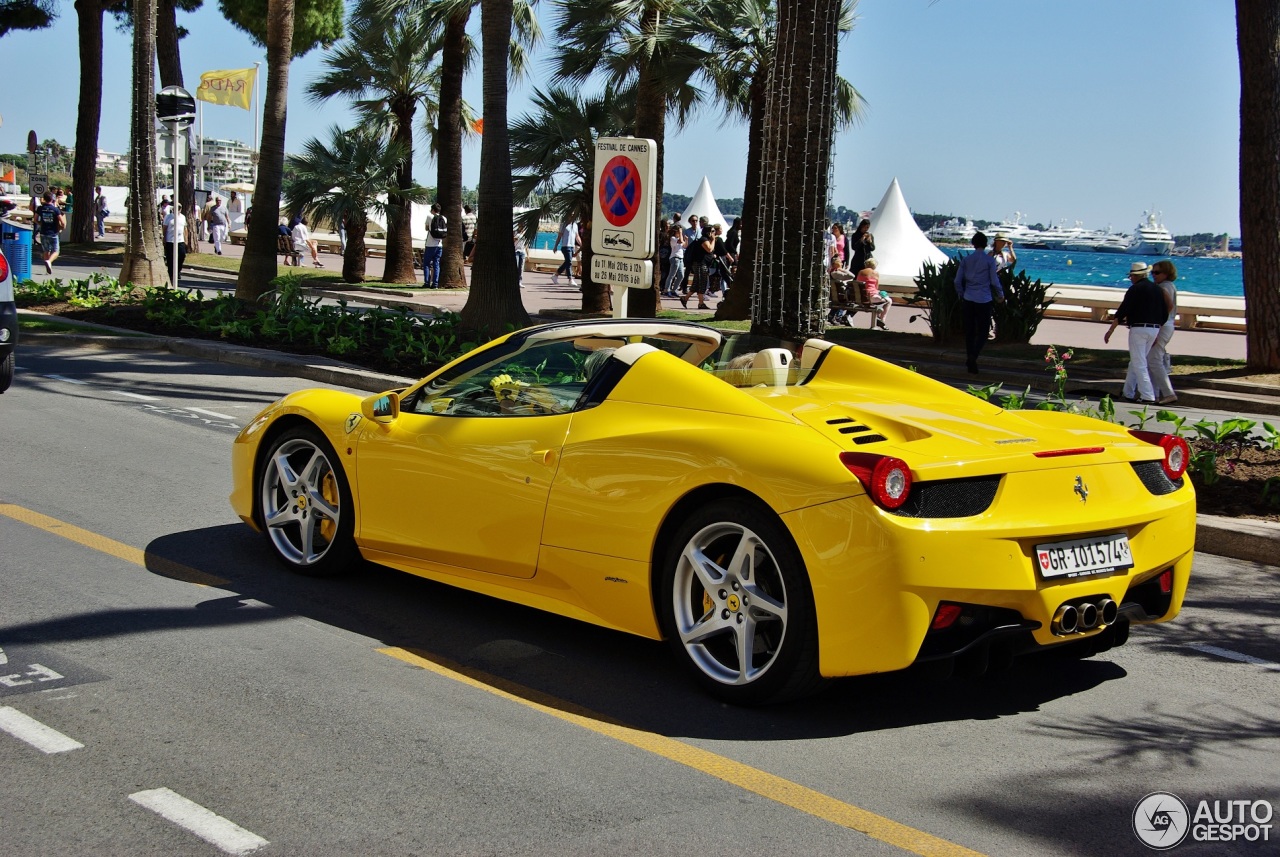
[1071,619]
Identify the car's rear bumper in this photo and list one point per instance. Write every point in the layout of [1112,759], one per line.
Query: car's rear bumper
[878,579]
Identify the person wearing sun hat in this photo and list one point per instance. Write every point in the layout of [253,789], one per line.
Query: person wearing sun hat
[1002,250]
[1143,310]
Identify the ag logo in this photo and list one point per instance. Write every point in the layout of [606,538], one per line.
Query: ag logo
[1161,821]
[352,422]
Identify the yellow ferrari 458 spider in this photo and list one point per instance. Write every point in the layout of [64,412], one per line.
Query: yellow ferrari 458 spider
[778,514]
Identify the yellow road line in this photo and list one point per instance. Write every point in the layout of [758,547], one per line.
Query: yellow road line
[766,785]
[111,547]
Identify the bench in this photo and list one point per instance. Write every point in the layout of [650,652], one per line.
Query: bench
[850,308]
[284,246]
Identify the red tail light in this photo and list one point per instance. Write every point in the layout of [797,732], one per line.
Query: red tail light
[887,479]
[1166,581]
[1176,453]
[945,617]
[4,268]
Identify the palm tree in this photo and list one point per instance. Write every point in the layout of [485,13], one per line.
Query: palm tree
[356,172]
[494,301]
[385,66]
[89,116]
[642,44]
[554,148]
[790,280]
[143,257]
[743,34]
[319,21]
[1258,32]
[457,53]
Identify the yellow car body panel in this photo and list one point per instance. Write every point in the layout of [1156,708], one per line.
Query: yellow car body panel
[565,512]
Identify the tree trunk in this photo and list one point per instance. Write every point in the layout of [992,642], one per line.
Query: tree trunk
[449,158]
[737,306]
[89,116]
[399,261]
[353,258]
[1258,39]
[143,257]
[651,123]
[258,267]
[789,288]
[169,60]
[494,301]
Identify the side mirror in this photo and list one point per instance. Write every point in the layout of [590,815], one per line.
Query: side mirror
[382,408]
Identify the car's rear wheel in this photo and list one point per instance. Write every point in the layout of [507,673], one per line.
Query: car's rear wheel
[6,372]
[305,504]
[736,605]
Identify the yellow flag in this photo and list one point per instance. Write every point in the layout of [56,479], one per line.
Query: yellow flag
[234,87]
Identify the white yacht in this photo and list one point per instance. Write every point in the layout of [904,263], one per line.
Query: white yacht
[1016,231]
[1151,238]
[1057,237]
[957,231]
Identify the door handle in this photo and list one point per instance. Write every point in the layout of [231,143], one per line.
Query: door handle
[545,456]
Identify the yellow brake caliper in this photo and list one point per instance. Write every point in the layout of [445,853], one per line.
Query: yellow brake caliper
[329,491]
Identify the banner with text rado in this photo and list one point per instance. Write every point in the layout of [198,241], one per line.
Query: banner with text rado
[623,204]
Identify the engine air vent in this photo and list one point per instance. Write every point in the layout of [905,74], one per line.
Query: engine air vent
[1154,478]
[950,498]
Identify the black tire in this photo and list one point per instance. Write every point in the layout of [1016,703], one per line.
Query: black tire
[305,504]
[709,616]
[6,372]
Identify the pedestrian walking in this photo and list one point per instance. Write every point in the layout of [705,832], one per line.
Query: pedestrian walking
[100,210]
[50,221]
[1160,364]
[433,247]
[175,220]
[567,242]
[218,220]
[977,284]
[1143,310]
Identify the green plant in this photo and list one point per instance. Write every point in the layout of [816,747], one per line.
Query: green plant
[1270,436]
[1142,418]
[1271,492]
[1107,408]
[1171,417]
[1016,401]
[937,300]
[341,345]
[1204,464]
[1025,302]
[984,393]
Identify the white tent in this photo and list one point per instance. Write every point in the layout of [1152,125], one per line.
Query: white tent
[703,204]
[901,248]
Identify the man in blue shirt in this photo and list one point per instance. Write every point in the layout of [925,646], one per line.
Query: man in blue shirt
[49,221]
[977,284]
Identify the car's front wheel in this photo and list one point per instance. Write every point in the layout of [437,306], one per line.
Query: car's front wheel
[736,605]
[306,504]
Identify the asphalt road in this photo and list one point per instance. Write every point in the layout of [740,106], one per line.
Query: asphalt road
[160,647]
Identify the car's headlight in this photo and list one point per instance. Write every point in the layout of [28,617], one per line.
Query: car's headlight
[5,333]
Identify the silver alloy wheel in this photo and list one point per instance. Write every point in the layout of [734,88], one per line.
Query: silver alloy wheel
[730,603]
[301,503]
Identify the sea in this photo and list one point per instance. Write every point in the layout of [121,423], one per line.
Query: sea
[1203,275]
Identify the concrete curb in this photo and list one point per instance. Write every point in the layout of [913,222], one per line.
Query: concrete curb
[1239,538]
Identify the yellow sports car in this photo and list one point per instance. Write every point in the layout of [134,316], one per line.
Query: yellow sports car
[779,514]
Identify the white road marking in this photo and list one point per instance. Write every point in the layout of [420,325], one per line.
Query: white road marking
[213,414]
[134,395]
[68,380]
[1234,656]
[4,659]
[35,733]
[191,816]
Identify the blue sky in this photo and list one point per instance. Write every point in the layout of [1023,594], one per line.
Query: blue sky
[1091,110]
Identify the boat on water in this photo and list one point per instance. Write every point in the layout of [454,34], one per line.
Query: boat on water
[1151,238]
[956,231]
[1014,230]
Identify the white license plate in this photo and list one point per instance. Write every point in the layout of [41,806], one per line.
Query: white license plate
[1080,557]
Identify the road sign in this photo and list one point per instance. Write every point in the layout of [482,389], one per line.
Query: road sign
[624,208]
[39,184]
[175,104]
[632,273]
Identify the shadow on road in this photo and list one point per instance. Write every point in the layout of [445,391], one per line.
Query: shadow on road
[615,676]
